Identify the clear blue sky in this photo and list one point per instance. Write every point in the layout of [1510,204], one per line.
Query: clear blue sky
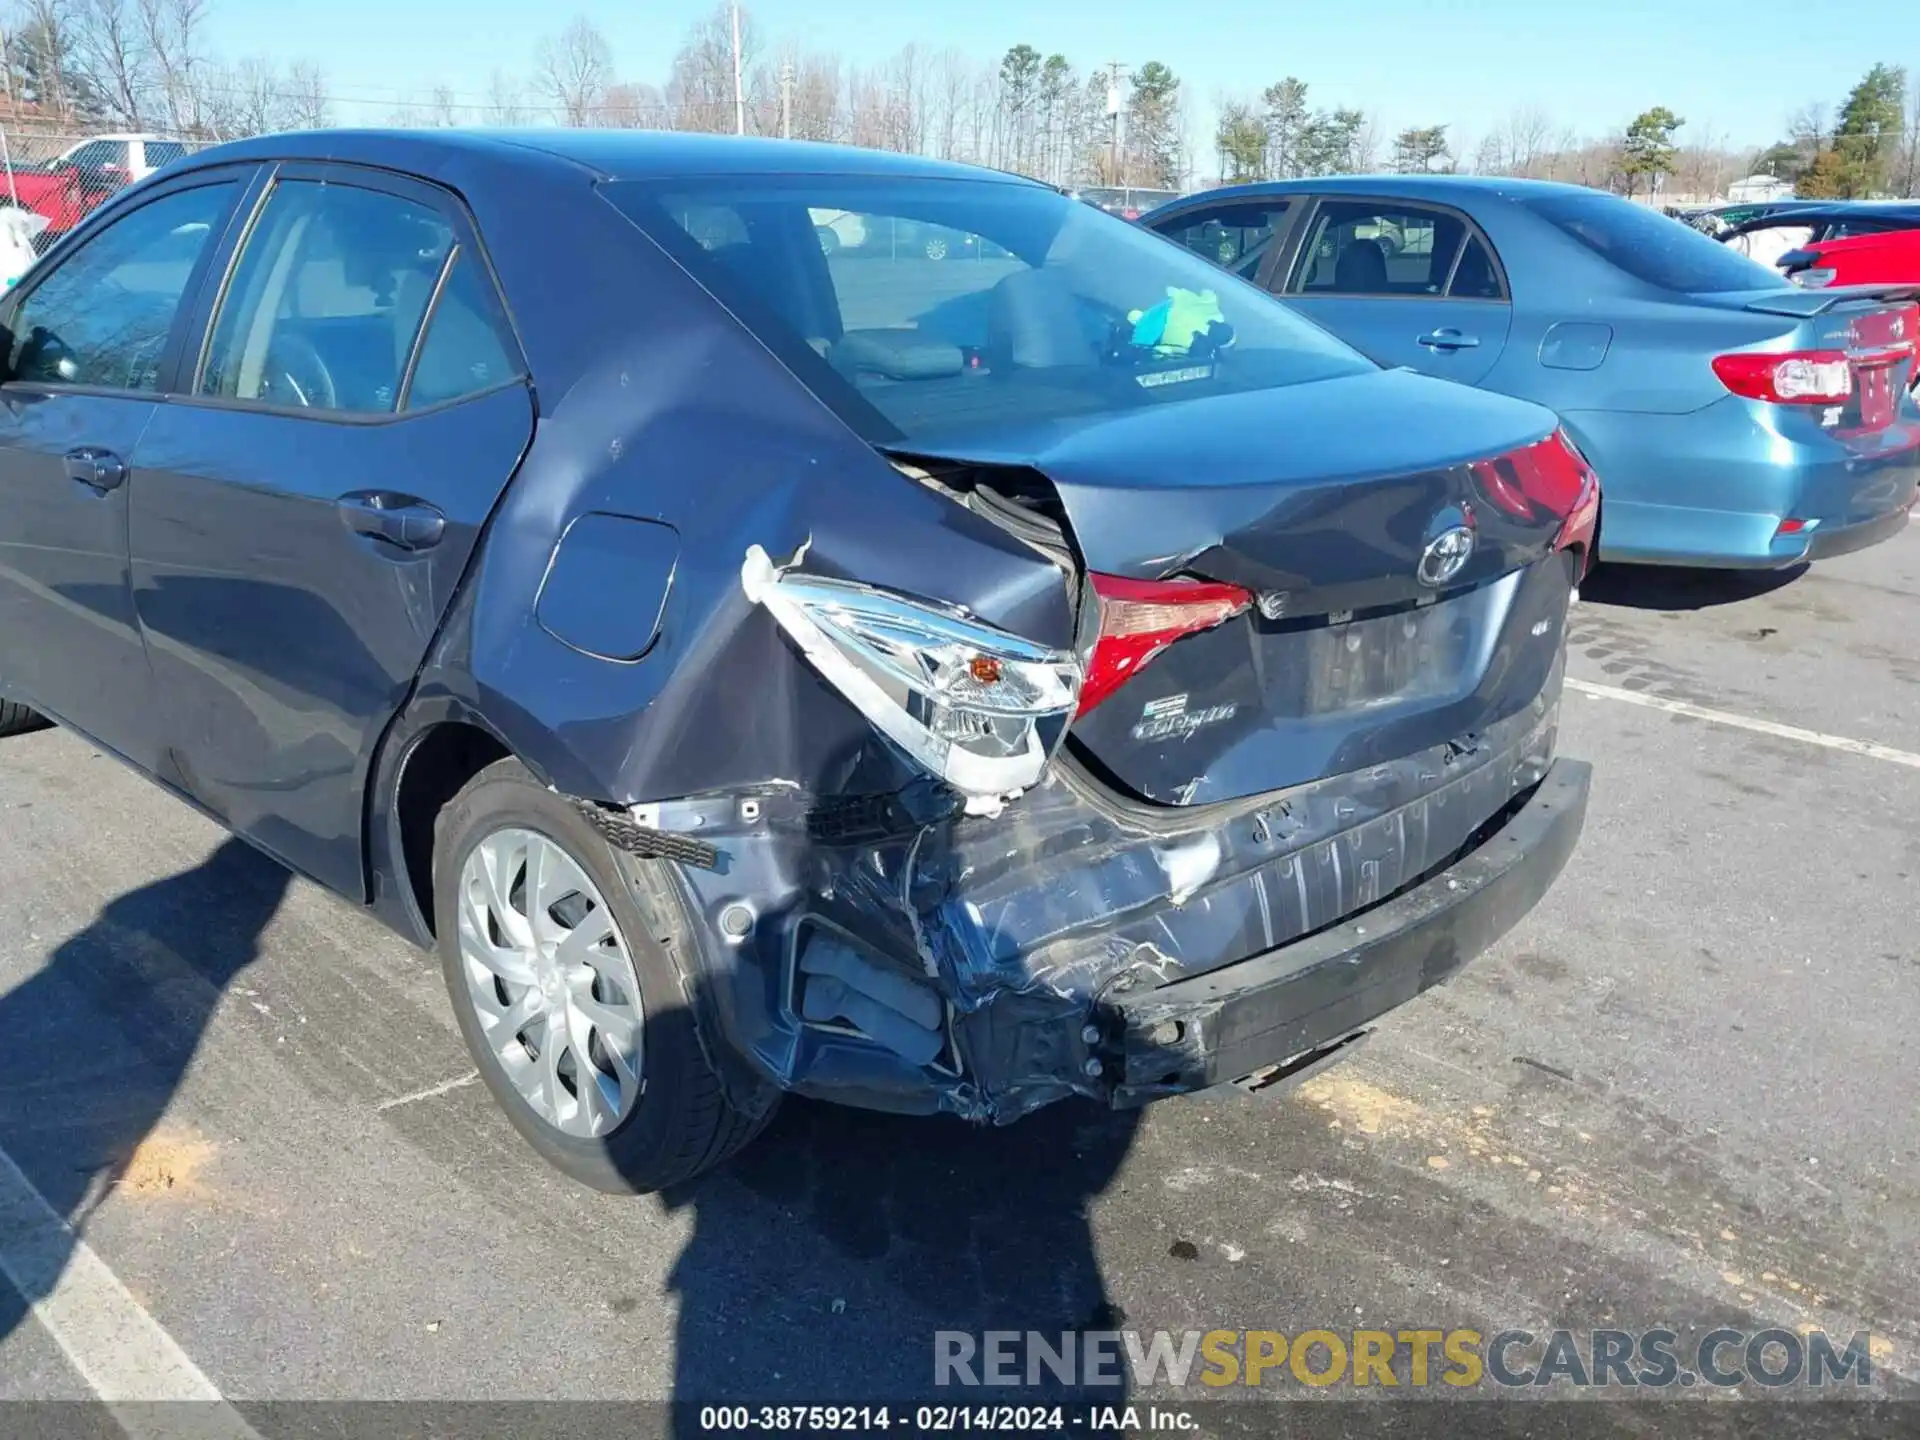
[1734,67]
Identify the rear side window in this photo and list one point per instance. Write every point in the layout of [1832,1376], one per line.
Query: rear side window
[1235,237]
[164,152]
[1475,277]
[1651,248]
[326,301]
[103,316]
[466,348]
[1360,247]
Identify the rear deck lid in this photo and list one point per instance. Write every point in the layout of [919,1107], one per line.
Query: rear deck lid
[1396,541]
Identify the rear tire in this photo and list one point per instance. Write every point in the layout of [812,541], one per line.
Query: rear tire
[18,719]
[681,1122]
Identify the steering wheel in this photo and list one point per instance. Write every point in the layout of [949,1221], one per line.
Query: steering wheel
[296,375]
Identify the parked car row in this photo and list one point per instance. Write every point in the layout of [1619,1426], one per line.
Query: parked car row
[1735,419]
[941,688]
[1857,243]
[67,188]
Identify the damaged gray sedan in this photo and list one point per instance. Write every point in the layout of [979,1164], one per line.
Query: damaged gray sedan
[761,664]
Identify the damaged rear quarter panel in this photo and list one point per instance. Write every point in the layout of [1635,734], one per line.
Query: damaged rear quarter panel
[677,416]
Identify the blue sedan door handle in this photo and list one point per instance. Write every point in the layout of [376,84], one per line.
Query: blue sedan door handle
[402,521]
[1447,338]
[98,470]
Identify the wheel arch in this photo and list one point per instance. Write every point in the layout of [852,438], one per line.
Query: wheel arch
[426,761]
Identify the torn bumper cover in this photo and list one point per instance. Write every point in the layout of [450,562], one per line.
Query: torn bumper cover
[1279,1010]
[894,951]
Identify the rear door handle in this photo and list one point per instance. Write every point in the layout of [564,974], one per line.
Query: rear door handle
[98,470]
[1448,339]
[402,521]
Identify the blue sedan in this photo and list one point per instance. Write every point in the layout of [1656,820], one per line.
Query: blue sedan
[1734,419]
[755,666]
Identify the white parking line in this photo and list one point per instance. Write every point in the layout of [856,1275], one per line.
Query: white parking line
[115,1345]
[1747,722]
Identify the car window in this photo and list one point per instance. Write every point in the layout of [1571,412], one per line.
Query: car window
[1360,247]
[325,303]
[466,349]
[947,308]
[1475,277]
[1868,225]
[103,315]
[1236,237]
[99,154]
[1648,246]
[164,152]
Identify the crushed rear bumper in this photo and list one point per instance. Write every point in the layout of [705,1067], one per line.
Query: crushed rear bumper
[1280,1011]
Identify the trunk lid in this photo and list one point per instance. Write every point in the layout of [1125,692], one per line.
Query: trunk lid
[1322,500]
[1874,328]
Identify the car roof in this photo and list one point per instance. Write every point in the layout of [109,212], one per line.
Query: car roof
[606,154]
[1815,213]
[1442,189]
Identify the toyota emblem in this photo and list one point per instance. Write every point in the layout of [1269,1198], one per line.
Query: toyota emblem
[1446,555]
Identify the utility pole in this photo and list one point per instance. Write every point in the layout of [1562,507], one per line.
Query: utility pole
[739,95]
[786,99]
[1114,67]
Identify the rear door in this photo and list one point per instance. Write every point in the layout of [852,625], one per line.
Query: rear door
[1405,283]
[309,505]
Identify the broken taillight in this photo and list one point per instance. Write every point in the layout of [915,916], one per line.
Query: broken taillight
[978,707]
[1140,618]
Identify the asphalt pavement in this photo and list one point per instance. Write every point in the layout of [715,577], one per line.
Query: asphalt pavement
[1682,1093]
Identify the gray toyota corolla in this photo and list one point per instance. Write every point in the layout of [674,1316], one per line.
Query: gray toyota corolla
[762,662]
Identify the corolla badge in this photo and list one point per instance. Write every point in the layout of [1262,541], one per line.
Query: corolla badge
[1450,541]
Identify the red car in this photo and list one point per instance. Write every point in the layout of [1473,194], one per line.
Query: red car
[1887,257]
[1845,243]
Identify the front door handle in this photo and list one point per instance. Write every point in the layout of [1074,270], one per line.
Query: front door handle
[402,521]
[1448,339]
[98,470]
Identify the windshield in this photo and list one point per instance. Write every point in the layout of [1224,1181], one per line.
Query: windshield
[933,309]
[1653,248]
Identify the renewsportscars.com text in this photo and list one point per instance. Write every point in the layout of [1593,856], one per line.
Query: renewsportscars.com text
[1510,1359]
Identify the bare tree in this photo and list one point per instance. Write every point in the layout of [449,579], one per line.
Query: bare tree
[1525,136]
[307,104]
[443,111]
[630,106]
[110,54]
[816,98]
[505,101]
[700,81]
[950,82]
[171,32]
[574,69]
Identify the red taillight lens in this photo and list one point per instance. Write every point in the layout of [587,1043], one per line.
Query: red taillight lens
[1803,377]
[1547,478]
[1140,618]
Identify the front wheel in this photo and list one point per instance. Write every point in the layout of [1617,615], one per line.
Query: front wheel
[936,248]
[569,973]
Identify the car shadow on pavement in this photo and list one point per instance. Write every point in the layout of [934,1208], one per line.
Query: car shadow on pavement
[825,1259]
[1673,587]
[99,1038]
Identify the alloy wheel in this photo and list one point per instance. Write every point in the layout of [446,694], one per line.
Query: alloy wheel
[552,981]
